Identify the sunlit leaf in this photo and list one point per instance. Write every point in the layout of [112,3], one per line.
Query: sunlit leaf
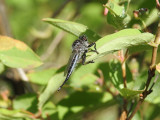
[117,80]
[14,53]
[52,86]
[13,114]
[121,40]
[158,67]
[115,74]
[129,93]
[117,16]
[84,101]
[41,77]
[50,109]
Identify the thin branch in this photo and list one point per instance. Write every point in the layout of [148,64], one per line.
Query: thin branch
[4,26]
[61,8]
[53,45]
[151,73]
[123,67]
[136,109]
[22,74]
[24,77]
[102,83]
[123,59]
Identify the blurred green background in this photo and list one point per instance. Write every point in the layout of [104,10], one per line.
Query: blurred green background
[84,100]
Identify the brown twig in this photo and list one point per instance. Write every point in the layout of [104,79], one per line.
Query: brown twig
[158,5]
[53,45]
[123,67]
[151,72]
[102,83]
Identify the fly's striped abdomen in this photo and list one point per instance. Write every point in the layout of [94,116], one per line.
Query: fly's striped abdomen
[71,67]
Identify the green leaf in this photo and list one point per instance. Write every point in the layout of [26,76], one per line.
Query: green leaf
[41,77]
[26,102]
[83,77]
[84,101]
[152,17]
[6,114]
[16,54]
[74,28]
[115,74]
[127,93]
[52,86]
[116,15]
[121,40]
[154,96]
[117,80]
[50,110]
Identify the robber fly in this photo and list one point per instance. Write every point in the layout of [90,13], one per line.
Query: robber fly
[79,49]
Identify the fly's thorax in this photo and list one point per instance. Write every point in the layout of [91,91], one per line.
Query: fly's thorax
[80,45]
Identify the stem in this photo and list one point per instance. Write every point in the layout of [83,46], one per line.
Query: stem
[123,67]
[53,45]
[151,72]
[135,110]
[144,24]
[102,83]
[127,6]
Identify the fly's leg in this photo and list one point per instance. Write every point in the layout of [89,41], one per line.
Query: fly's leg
[84,59]
[89,62]
[95,49]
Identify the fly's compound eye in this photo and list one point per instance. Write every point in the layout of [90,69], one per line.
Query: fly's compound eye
[83,37]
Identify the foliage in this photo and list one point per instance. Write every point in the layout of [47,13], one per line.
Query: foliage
[94,91]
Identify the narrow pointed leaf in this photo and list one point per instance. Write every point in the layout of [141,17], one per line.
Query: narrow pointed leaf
[74,28]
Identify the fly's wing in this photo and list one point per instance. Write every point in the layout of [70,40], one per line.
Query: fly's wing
[70,61]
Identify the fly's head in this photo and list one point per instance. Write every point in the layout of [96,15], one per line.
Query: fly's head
[84,40]
[81,44]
